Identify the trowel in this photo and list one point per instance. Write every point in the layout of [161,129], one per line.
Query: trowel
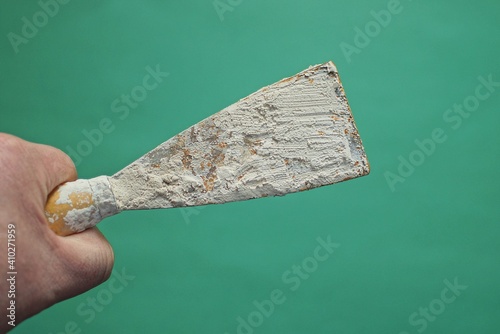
[294,135]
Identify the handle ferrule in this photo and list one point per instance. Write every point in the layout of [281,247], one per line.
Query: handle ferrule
[76,206]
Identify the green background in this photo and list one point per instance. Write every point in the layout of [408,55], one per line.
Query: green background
[198,270]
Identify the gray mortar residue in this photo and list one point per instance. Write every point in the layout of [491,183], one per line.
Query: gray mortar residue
[294,135]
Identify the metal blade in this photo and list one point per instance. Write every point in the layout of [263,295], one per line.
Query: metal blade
[294,135]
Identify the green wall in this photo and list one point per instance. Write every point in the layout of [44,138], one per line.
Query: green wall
[425,219]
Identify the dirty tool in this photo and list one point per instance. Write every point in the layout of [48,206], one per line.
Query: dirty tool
[294,135]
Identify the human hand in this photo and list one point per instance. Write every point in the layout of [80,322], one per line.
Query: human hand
[49,268]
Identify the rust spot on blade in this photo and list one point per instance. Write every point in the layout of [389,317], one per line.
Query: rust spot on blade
[219,159]
[250,142]
[193,135]
[186,159]
[209,179]
[307,186]
[212,160]
[333,74]
[217,156]
[288,79]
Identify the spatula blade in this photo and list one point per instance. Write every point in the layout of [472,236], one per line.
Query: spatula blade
[294,135]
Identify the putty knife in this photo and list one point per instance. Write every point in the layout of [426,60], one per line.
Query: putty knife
[294,135]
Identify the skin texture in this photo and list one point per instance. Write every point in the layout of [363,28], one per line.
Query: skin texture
[49,268]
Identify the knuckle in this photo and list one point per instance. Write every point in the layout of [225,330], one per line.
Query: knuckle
[64,159]
[10,142]
[11,150]
[56,161]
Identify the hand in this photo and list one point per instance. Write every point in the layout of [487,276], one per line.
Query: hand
[49,268]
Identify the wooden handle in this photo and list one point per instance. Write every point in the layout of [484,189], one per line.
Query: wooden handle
[76,206]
